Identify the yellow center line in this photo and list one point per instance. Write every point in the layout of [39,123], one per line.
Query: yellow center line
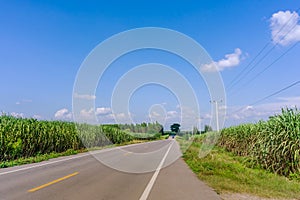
[53,182]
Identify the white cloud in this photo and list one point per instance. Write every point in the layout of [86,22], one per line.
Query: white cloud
[188,117]
[154,114]
[120,118]
[248,112]
[230,60]
[87,114]
[122,115]
[37,116]
[15,114]
[282,102]
[84,96]
[63,114]
[103,115]
[249,108]
[159,117]
[23,101]
[172,114]
[263,111]
[158,113]
[103,111]
[290,100]
[285,28]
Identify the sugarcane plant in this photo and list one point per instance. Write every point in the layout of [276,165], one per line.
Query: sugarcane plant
[273,144]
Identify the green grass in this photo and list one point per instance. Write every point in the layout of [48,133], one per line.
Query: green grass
[273,144]
[145,136]
[30,140]
[227,173]
[39,158]
[44,157]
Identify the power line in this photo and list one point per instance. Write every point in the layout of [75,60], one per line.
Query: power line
[254,66]
[268,66]
[268,52]
[275,93]
[269,96]
[241,75]
[237,77]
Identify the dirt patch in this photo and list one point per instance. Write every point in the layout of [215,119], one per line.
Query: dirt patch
[238,196]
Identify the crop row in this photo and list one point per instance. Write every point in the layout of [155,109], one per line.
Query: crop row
[273,144]
[30,137]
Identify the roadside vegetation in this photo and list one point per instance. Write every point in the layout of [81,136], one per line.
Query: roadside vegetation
[228,173]
[258,159]
[274,144]
[39,158]
[29,140]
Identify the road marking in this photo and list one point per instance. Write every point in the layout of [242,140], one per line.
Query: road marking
[58,161]
[40,165]
[53,182]
[154,177]
[74,157]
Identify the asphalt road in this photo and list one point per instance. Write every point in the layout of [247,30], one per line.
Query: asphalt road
[152,170]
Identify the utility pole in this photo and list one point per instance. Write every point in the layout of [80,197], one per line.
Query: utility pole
[199,122]
[217,112]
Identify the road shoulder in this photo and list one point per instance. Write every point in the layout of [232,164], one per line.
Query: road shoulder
[177,181]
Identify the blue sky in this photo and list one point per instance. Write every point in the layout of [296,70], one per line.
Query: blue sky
[44,43]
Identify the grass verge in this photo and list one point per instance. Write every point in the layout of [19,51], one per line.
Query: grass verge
[227,173]
[44,157]
[39,158]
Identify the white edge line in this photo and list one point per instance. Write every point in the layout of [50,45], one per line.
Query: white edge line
[40,165]
[154,177]
[66,159]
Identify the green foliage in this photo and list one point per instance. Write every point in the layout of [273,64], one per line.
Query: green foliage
[195,131]
[207,128]
[175,127]
[228,173]
[146,136]
[272,144]
[23,138]
[35,159]
[150,128]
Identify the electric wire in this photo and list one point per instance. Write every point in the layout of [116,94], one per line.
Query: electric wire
[268,96]
[264,69]
[241,75]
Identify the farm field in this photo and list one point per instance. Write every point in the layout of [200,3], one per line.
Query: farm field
[260,160]
[167,100]
[29,140]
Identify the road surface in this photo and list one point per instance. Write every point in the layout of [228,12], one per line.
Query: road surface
[152,170]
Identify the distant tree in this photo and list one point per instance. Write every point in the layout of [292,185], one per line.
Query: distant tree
[162,130]
[175,127]
[207,128]
[144,124]
[195,130]
[151,128]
